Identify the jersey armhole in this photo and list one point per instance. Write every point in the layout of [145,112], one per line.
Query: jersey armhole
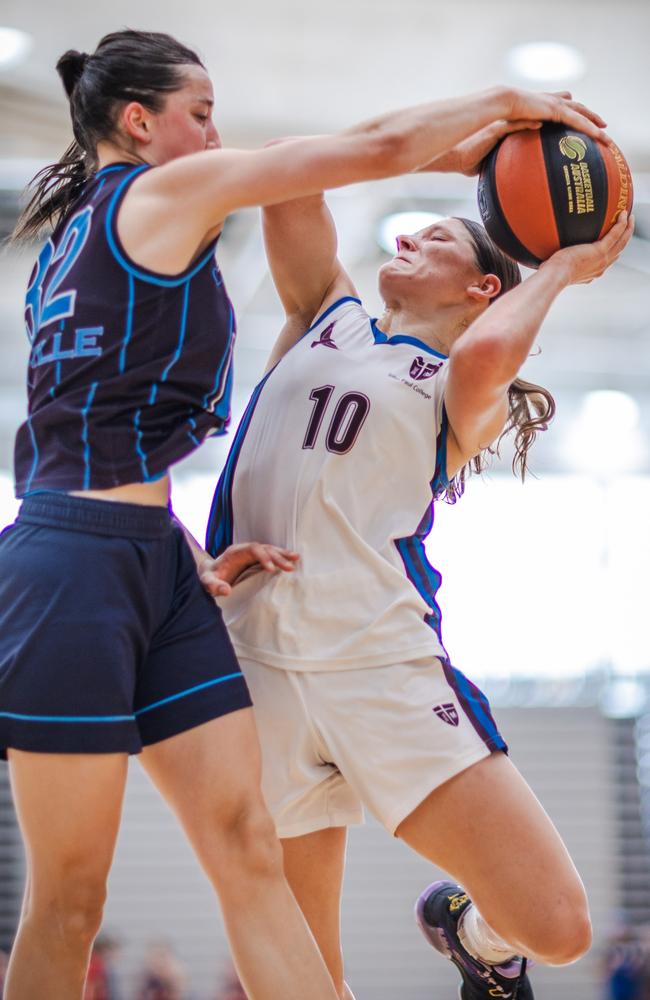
[122,257]
[330,309]
[440,479]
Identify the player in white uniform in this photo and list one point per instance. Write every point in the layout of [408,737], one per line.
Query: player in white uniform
[357,424]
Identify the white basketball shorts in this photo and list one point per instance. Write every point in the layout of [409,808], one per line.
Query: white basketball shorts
[382,737]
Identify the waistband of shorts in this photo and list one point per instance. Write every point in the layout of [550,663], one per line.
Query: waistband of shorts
[96,517]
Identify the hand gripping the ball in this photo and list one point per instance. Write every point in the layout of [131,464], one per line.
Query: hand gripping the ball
[586,261]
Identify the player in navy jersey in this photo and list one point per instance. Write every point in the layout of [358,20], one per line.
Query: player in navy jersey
[356,700]
[108,644]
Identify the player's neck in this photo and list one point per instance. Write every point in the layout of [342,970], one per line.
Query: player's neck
[109,153]
[439,332]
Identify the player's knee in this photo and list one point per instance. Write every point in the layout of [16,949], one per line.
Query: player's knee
[575,941]
[567,937]
[247,841]
[73,908]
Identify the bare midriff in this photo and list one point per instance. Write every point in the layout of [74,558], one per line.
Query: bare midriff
[148,494]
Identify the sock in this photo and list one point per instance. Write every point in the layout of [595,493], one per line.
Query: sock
[478,938]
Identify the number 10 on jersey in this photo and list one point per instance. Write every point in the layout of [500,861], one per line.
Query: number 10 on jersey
[347,419]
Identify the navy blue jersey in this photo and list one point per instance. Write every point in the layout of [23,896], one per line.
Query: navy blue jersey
[129,370]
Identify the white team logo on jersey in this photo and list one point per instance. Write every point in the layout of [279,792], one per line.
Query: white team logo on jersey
[325,339]
[421,369]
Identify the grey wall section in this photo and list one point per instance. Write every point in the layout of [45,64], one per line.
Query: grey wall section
[157,889]
[11,864]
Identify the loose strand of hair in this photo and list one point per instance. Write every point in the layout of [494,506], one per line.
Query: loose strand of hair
[531,408]
[53,190]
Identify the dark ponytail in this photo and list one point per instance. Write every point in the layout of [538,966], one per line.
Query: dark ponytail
[70,67]
[530,407]
[126,66]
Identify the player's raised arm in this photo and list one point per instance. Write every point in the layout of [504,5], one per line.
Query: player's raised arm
[301,247]
[486,359]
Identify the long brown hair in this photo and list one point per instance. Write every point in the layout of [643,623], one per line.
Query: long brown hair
[531,407]
[126,66]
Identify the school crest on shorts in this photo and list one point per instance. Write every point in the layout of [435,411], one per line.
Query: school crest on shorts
[447,713]
[421,369]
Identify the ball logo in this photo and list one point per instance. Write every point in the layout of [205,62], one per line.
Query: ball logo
[574,147]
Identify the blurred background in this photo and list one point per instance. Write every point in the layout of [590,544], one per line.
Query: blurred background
[545,587]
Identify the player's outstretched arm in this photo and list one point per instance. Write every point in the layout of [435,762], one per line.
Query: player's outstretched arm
[486,359]
[468,155]
[179,203]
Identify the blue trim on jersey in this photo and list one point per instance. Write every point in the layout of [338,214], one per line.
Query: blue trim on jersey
[84,433]
[32,471]
[192,422]
[335,305]
[179,347]
[424,577]
[402,338]
[221,394]
[112,168]
[440,479]
[183,694]
[219,532]
[138,445]
[138,272]
[66,718]
[181,335]
[129,322]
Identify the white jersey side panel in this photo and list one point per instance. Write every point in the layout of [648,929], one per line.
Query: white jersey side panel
[336,458]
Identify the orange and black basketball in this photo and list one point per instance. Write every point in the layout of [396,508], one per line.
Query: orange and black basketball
[542,189]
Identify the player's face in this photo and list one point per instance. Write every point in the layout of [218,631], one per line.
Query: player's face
[185,123]
[432,267]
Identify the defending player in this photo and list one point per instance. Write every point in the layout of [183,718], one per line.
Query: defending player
[108,645]
[354,429]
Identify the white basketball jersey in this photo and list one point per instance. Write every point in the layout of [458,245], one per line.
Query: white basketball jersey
[338,456]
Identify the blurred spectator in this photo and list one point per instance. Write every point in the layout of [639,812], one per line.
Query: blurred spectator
[625,964]
[230,988]
[101,982]
[163,976]
[645,941]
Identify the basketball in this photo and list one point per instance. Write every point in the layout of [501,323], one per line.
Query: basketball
[543,189]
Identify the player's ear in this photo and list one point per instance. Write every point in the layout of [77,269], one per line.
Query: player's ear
[136,122]
[484,289]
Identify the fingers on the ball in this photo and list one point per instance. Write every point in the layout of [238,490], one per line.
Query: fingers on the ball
[588,113]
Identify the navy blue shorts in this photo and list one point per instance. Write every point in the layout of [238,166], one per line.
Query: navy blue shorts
[108,641]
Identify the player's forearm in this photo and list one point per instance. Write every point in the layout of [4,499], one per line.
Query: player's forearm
[425,134]
[498,343]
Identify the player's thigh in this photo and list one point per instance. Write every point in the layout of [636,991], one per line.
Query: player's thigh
[68,808]
[488,830]
[190,674]
[210,776]
[314,865]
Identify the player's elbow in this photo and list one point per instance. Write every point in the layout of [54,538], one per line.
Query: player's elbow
[487,358]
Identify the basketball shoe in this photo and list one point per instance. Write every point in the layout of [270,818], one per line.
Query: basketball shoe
[439,911]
